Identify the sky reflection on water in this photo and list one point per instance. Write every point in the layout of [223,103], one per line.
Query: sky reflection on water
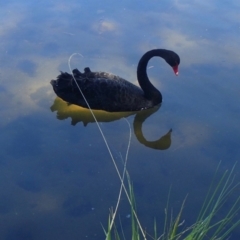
[57,179]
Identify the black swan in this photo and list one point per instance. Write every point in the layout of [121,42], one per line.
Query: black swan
[105,91]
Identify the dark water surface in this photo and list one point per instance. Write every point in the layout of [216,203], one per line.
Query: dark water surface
[57,180]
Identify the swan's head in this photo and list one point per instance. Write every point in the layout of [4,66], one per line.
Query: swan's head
[173,60]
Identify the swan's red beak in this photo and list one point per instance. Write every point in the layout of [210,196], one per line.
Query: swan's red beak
[175,69]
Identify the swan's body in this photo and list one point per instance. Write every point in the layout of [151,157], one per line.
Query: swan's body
[105,91]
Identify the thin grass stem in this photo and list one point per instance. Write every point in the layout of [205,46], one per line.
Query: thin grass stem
[106,143]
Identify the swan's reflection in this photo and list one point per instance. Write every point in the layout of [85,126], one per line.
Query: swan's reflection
[79,114]
[162,143]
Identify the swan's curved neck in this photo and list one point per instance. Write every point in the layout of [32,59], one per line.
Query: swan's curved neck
[150,91]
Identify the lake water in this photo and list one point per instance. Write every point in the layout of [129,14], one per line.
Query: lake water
[57,178]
